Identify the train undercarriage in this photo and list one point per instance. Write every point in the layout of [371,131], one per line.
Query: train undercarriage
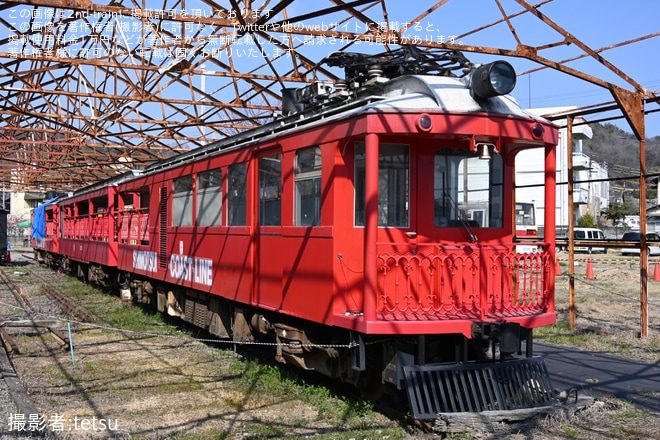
[437,373]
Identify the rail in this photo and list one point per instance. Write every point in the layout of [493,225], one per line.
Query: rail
[472,281]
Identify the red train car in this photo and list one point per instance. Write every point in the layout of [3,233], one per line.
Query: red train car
[88,233]
[369,233]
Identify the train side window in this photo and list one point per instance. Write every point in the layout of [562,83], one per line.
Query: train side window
[468,189]
[236,205]
[393,185]
[270,190]
[308,187]
[209,198]
[182,194]
[82,208]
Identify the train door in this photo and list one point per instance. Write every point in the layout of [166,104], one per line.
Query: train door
[269,231]
[405,223]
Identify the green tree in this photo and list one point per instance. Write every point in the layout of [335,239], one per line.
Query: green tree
[616,212]
[587,221]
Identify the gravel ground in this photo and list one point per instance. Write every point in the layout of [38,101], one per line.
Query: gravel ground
[10,309]
[7,407]
[7,410]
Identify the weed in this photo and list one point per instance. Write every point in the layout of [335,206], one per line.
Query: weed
[626,432]
[628,411]
[215,434]
[460,436]
[261,382]
[561,333]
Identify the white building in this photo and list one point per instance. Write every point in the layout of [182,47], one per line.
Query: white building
[19,204]
[591,188]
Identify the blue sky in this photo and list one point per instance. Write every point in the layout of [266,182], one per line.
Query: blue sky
[597,23]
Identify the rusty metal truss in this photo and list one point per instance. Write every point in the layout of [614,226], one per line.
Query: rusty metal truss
[89,90]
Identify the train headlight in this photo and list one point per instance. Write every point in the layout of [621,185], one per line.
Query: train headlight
[494,79]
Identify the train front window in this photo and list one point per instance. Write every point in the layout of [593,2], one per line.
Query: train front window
[308,187]
[393,185]
[468,190]
[525,214]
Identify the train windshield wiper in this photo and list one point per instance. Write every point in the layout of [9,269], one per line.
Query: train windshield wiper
[459,215]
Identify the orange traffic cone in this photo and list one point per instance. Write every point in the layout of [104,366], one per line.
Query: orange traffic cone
[557,267]
[656,272]
[590,269]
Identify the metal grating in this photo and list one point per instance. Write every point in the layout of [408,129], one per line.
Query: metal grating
[196,312]
[517,384]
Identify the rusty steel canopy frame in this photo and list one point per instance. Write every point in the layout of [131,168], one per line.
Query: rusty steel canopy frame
[90,90]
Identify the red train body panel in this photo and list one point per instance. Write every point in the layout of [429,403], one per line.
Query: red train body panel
[370,219]
[88,227]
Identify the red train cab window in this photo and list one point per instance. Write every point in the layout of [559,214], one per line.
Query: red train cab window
[468,189]
[393,185]
[209,198]
[307,209]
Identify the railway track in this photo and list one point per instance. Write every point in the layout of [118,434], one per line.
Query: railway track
[14,307]
[44,305]
[39,312]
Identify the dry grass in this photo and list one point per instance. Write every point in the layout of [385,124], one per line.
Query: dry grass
[153,387]
[608,312]
[175,387]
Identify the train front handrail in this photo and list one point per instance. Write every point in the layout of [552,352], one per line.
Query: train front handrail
[470,281]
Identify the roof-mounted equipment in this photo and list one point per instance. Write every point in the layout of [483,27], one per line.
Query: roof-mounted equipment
[363,73]
[359,68]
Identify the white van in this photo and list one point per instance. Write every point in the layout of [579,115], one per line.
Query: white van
[590,234]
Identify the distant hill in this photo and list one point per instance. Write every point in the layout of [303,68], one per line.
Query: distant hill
[619,150]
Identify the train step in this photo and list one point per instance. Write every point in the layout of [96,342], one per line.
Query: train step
[514,384]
